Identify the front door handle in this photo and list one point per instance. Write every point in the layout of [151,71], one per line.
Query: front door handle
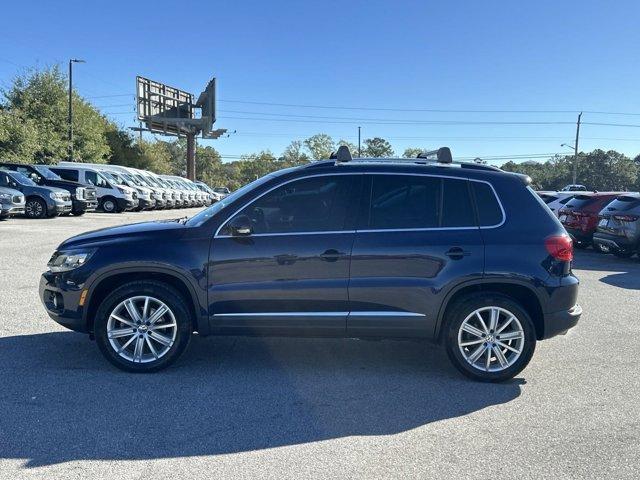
[331,255]
[457,253]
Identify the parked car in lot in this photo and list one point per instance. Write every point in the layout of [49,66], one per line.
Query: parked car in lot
[356,248]
[224,191]
[556,200]
[213,196]
[83,197]
[11,202]
[111,198]
[580,215]
[574,188]
[618,229]
[40,202]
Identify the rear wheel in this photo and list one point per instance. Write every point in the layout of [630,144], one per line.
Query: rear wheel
[35,208]
[489,337]
[143,326]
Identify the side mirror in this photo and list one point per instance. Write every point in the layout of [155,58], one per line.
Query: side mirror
[240,226]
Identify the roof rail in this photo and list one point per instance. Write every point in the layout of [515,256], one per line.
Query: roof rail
[342,155]
[441,155]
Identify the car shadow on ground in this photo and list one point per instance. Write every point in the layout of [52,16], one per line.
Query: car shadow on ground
[61,401]
[624,272]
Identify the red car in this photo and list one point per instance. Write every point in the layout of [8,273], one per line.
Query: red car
[580,215]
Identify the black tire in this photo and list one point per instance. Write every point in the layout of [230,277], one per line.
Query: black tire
[463,308]
[35,208]
[158,290]
[109,205]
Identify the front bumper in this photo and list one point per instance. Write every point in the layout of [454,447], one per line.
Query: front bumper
[62,302]
[146,204]
[84,205]
[63,207]
[558,323]
[127,203]
[9,210]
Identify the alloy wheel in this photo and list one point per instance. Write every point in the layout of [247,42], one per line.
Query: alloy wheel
[141,329]
[491,339]
[33,209]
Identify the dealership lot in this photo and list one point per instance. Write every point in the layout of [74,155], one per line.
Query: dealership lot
[297,408]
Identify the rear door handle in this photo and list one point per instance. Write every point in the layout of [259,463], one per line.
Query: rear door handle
[331,255]
[457,253]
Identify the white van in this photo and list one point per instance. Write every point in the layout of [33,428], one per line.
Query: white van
[111,198]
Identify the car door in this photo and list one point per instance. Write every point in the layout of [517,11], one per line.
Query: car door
[288,275]
[417,237]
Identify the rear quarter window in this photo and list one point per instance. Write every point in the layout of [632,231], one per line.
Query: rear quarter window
[489,210]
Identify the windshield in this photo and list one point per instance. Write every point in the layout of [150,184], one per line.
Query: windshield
[22,180]
[142,180]
[207,213]
[113,178]
[46,173]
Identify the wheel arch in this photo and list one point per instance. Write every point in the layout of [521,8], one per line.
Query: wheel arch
[109,281]
[521,292]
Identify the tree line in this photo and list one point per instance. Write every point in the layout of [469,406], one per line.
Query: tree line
[33,129]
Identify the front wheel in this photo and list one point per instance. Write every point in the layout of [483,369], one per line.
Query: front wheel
[35,208]
[143,326]
[109,205]
[489,337]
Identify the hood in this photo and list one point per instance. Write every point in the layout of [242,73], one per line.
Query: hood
[145,231]
[55,189]
[11,191]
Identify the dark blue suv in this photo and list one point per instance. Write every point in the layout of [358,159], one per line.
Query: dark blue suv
[463,254]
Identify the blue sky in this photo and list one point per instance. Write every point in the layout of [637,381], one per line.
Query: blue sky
[549,59]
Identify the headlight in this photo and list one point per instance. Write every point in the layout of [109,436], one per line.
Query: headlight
[79,193]
[65,261]
[56,195]
[5,197]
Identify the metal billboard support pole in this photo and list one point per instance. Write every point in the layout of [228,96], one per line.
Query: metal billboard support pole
[191,156]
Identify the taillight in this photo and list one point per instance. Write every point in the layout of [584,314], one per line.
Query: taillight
[626,218]
[560,247]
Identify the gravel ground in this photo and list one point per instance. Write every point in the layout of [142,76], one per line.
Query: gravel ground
[303,408]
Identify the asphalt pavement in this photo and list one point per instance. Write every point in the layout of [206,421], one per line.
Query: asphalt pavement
[312,408]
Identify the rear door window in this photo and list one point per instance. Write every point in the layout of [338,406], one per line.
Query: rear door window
[457,210]
[404,202]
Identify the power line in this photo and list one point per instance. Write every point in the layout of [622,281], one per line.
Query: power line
[395,122]
[111,96]
[423,110]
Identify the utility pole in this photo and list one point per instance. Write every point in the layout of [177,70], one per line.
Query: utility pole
[359,150]
[71,62]
[575,151]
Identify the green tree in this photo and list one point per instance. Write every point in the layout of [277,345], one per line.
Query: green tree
[377,147]
[294,154]
[18,137]
[412,152]
[41,96]
[320,146]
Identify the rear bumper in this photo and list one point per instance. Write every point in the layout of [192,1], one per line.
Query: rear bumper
[579,236]
[615,242]
[558,323]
